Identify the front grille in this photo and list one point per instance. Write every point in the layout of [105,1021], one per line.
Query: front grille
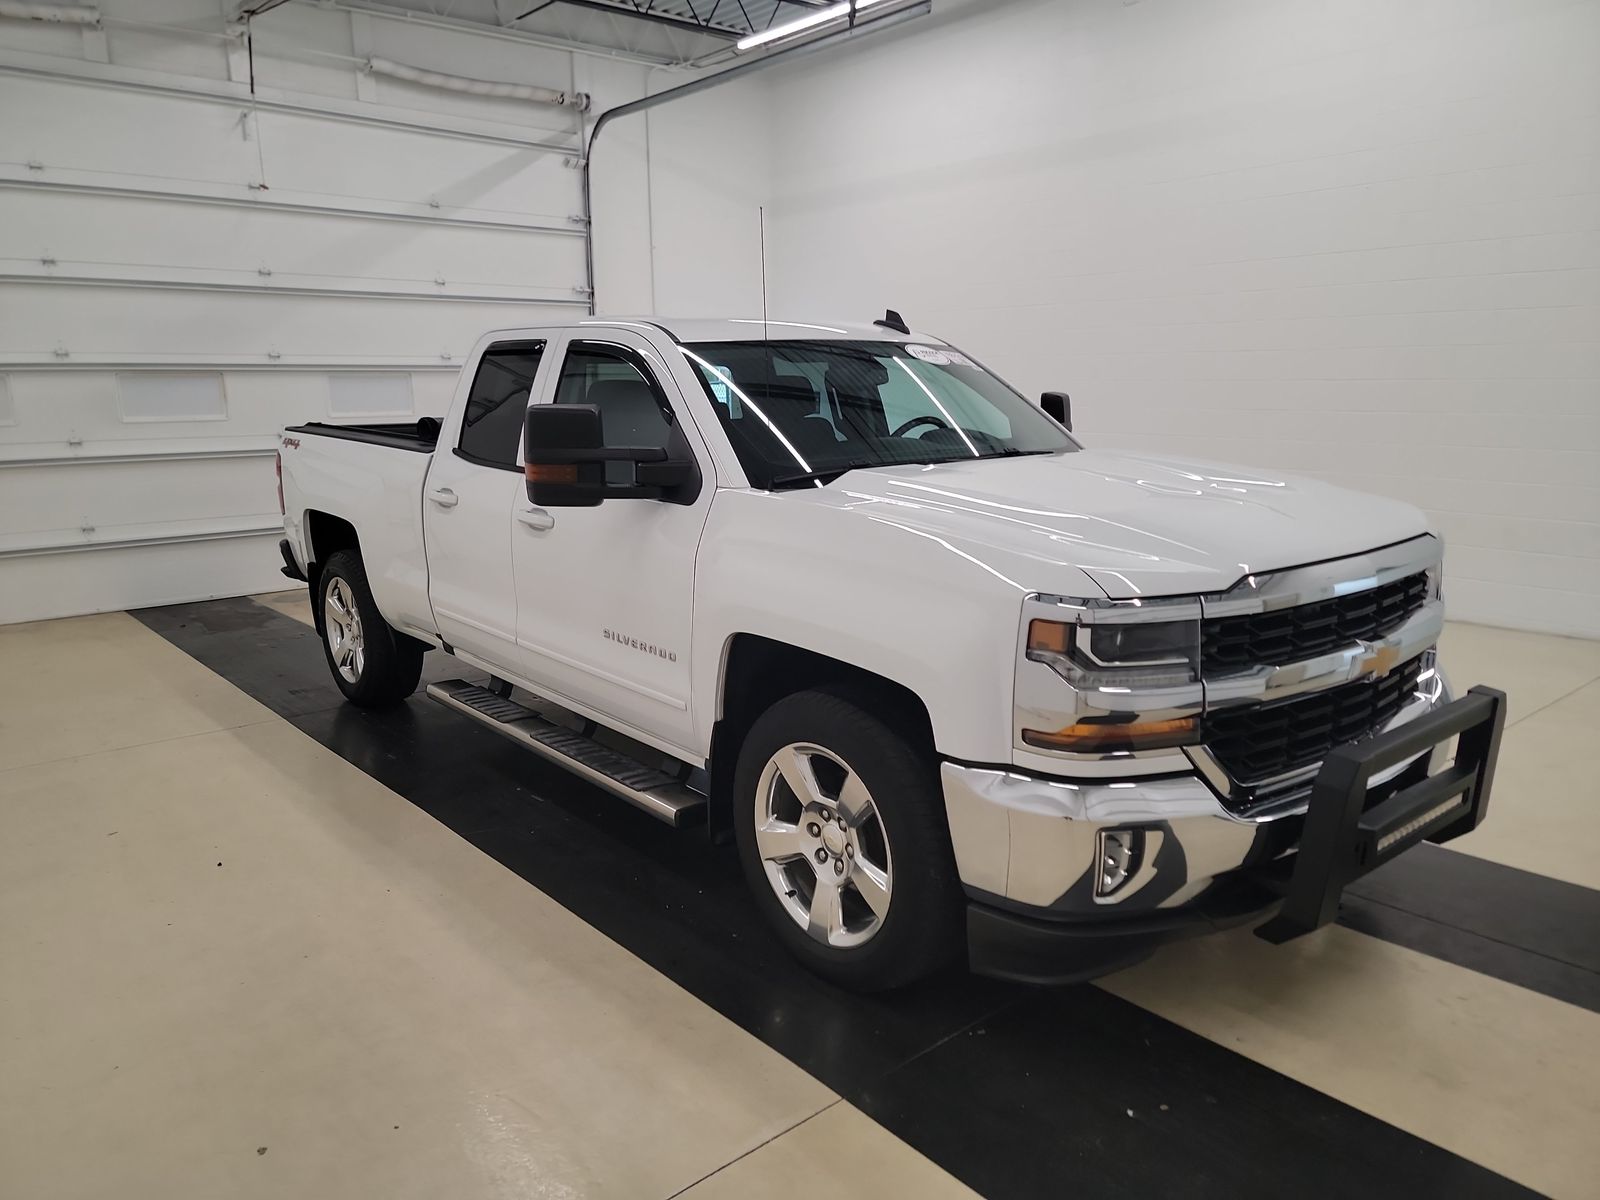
[1260,741]
[1233,644]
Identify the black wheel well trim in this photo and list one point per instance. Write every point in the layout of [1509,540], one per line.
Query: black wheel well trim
[326,534]
[757,671]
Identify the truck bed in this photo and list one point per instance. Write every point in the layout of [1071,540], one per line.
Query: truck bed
[420,435]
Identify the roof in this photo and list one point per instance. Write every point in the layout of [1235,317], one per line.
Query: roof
[754,329]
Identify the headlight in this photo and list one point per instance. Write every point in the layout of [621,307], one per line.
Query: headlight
[1118,656]
[1152,654]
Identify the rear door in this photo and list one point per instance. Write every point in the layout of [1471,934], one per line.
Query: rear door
[606,593]
[467,502]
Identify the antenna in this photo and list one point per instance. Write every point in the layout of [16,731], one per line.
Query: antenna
[761,217]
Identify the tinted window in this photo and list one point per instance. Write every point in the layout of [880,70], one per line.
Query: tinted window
[492,425]
[799,412]
[628,400]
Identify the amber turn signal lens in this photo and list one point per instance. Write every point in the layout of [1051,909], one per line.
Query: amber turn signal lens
[1104,737]
[1049,637]
[552,472]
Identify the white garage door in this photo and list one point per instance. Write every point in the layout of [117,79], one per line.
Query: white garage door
[184,270]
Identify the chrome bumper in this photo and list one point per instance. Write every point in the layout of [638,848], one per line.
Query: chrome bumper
[1030,841]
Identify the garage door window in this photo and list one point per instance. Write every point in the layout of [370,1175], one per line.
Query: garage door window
[172,396]
[492,425]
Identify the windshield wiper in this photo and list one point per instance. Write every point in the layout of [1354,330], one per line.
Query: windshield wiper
[826,475]
[829,474]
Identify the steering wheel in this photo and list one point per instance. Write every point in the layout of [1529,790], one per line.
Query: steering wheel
[925,419]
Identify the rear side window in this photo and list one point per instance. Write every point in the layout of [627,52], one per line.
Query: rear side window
[492,424]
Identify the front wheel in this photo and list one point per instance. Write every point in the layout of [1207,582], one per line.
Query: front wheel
[842,836]
[375,665]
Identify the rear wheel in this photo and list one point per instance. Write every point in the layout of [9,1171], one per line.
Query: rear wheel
[842,836]
[375,665]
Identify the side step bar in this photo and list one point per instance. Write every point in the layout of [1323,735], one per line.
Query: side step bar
[656,792]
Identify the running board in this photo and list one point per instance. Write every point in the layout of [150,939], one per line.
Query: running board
[656,792]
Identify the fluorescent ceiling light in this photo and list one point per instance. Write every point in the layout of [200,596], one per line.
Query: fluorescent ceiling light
[821,17]
[800,24]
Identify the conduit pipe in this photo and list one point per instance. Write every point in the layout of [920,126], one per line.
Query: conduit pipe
[58,14]
[796,50]
[474,87]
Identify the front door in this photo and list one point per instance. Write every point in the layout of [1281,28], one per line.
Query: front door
[605,593]
[473,484]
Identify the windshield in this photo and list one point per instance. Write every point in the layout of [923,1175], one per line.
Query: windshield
[799,413]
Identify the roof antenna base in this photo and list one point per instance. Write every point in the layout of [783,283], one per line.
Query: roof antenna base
[893,320]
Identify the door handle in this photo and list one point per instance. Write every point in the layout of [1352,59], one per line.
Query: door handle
[535,518]
[444,497]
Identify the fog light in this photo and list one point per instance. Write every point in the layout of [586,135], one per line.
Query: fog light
[1117,855]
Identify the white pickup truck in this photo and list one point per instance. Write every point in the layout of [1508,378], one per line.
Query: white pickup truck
[953,683]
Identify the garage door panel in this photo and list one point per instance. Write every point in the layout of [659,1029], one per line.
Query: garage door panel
[64,124]
[69,126]
[230,243]
[65,497]
[78,412]
[107,579]
[37,318]
[314,154]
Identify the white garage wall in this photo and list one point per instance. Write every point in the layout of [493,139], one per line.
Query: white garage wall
[1354,240]
[396,224]
[677,192]
[711,173]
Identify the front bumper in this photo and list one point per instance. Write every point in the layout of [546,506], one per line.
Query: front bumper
[1028,848]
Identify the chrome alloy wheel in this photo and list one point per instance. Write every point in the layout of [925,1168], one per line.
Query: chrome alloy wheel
[823,845]
[345,640]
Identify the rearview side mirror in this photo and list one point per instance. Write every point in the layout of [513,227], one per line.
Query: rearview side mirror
[1059,406]
[565,462]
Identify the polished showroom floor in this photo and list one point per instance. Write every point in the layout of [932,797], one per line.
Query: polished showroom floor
[254,942]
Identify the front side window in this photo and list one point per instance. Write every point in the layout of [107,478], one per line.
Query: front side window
[631,412]
[491,428]
[799,412]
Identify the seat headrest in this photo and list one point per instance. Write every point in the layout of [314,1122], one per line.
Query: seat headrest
[629,414]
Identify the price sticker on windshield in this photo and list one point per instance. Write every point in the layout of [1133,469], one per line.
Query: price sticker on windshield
[939,356]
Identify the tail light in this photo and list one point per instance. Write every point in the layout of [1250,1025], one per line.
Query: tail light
[277,467]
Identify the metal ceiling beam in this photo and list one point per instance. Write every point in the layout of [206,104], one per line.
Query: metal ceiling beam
[644,14]
[419,19]
[644,10]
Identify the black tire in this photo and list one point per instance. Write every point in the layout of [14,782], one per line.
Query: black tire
[924,927]
[392,662]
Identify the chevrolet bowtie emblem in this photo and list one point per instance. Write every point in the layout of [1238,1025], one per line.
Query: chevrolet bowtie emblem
[1379,662]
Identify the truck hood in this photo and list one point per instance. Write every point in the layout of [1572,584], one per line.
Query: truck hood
[1137,525]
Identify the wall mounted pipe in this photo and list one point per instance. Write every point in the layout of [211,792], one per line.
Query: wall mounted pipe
[476,87]
[108,75]
[55,14]
[750,66]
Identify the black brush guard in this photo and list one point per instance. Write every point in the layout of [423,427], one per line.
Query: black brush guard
[1341,842]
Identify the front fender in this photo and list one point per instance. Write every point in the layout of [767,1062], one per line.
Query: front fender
[855,582]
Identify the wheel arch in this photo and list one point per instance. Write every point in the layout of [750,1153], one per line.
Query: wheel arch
[757,672]
[326,535]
